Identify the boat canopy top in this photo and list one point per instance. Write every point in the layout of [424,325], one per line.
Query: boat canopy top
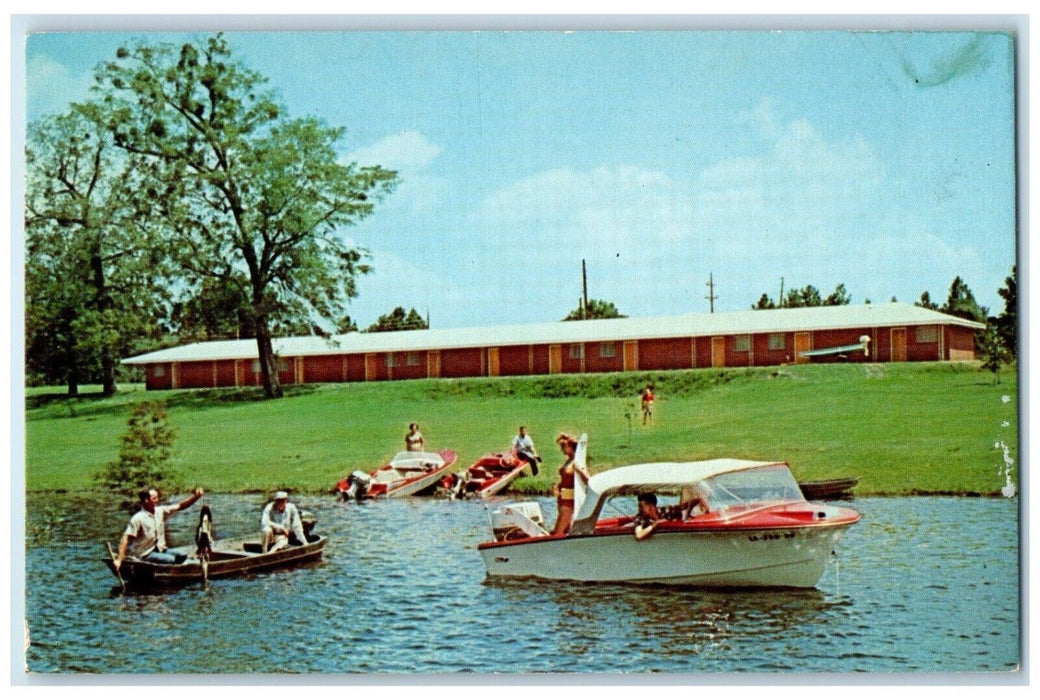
[643,478]
[416,460]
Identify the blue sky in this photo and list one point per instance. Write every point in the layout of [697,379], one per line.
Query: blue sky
[884,161]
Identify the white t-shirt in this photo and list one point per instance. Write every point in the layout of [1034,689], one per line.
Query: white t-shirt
[148,530]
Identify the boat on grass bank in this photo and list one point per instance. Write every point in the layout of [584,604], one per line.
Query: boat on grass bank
[226,559]
[488,476]
[758,530]
[828,488]
[407,474]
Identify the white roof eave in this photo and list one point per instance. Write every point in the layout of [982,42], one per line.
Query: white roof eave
[604,330]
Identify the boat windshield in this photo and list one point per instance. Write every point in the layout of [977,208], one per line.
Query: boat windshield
[748,487]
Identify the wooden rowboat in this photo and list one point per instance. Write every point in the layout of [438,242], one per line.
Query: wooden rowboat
[233,557]
[827,488]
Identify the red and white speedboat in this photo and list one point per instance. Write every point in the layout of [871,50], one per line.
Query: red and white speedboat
[758,531]
[489,475]
[407,474]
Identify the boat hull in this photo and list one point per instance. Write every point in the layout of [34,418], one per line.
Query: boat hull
[830,488]
[746,558]
[230,558]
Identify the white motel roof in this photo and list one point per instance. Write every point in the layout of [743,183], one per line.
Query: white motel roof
[615,329]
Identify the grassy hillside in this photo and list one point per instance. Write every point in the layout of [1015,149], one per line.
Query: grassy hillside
[911,428]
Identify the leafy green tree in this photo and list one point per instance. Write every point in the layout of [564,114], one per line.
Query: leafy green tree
[807,296]
[346,325]
[961,302]
[764,302]
[1006,324]
[839,297]
[994,354]
[144,452]
[398,320]
[95,263]
[926,302]
[596,308]
[238,182]
[218,308]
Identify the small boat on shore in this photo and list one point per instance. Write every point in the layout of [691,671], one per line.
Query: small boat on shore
[489,475]
[226,559]
[407,474]
[828,488]
[758,530]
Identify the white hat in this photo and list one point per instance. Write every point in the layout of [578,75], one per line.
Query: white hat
[281,496]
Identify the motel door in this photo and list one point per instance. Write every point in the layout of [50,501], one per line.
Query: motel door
[631,355]
[898,345]
[555,359]
[433,364]
[492,362]
[371,367]
[718,352]
[802,343]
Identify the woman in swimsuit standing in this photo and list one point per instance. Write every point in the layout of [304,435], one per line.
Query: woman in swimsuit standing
[564,488]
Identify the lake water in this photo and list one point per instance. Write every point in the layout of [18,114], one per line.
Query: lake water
[919,585]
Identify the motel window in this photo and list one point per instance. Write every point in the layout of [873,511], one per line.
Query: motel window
[926,334]
[280,363]
[777,341]
[741,343]
[577,351]
[413,359]
[391,359]
[159,371]
[256,366]
[608,349]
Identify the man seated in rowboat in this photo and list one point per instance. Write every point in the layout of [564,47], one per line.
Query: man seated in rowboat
[279,521]
[145,536]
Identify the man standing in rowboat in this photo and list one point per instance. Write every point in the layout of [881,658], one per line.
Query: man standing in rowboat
[145,536]
[279,520]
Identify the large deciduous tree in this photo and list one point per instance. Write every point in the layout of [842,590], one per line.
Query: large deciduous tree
[94,262]
[241,184]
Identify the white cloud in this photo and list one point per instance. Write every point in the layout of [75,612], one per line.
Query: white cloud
[407,151]
[410,153]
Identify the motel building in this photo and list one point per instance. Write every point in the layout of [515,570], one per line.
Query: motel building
[891,332]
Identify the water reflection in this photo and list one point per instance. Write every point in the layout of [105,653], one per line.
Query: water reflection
[403,590]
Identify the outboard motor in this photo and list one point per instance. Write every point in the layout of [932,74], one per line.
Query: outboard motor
[458,490]
[357,486]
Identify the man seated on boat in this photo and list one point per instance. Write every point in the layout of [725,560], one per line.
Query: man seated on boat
[145,536]
[523,445]
[650,515]
[280,524]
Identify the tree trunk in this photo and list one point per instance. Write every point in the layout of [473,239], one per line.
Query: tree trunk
[101,300]
[268,369]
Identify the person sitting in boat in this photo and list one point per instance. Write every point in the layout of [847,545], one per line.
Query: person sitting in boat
[413,441]
[523,445]
[145,536]
[280,524]
[564,488]
[647,517]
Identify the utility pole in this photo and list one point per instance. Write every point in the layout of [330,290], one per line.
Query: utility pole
[781,304]
[711,293]
[584,291]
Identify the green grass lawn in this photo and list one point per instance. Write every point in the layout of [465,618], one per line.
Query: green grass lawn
[902,428]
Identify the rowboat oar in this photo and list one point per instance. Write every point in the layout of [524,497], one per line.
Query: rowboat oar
[112,554]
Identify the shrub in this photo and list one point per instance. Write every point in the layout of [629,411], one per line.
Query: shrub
[143,453]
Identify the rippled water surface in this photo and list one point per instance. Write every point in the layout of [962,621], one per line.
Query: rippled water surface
[919,585]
